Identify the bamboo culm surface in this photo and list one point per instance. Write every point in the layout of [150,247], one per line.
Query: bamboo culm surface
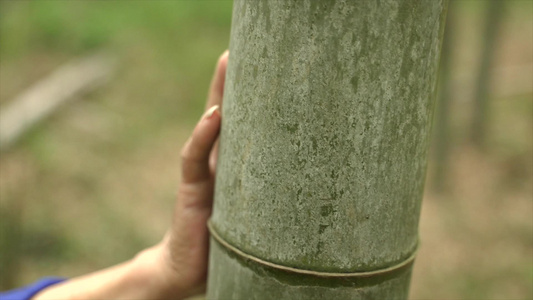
[326,120]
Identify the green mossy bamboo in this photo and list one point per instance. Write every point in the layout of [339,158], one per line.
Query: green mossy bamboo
[326,120]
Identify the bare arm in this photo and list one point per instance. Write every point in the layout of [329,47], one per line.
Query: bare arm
[177,267]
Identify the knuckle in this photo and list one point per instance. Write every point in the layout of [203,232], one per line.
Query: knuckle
[185,153]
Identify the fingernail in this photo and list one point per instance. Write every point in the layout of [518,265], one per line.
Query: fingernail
[209,113]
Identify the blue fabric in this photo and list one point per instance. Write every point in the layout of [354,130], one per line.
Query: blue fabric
[25,293]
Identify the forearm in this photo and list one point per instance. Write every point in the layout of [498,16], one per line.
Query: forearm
[143,277]
[177,267]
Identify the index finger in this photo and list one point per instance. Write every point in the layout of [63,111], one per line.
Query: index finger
[216,90]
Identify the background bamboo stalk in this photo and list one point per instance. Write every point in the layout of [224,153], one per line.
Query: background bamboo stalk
[493,20]
[441,136]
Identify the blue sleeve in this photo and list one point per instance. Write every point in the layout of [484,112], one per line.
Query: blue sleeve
[25,293]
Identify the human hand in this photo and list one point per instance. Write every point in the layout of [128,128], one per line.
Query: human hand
[176,268]
[185,247]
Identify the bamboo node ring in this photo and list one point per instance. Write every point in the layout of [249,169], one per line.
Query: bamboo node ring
[365,274]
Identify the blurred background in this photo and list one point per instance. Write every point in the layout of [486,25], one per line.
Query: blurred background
[122,83]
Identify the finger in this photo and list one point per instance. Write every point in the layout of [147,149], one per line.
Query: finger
[216,90]
[214,157]
[195,153]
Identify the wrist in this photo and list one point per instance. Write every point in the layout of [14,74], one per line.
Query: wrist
[151,268]
[143,277]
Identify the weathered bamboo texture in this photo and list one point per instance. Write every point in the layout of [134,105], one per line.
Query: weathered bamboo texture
[326,120]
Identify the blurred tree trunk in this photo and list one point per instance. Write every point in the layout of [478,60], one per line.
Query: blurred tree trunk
[326,121]
[492,26]
[441,135]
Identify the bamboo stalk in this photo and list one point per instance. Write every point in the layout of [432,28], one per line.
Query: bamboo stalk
[326,119]
[441,137]
[481,102]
